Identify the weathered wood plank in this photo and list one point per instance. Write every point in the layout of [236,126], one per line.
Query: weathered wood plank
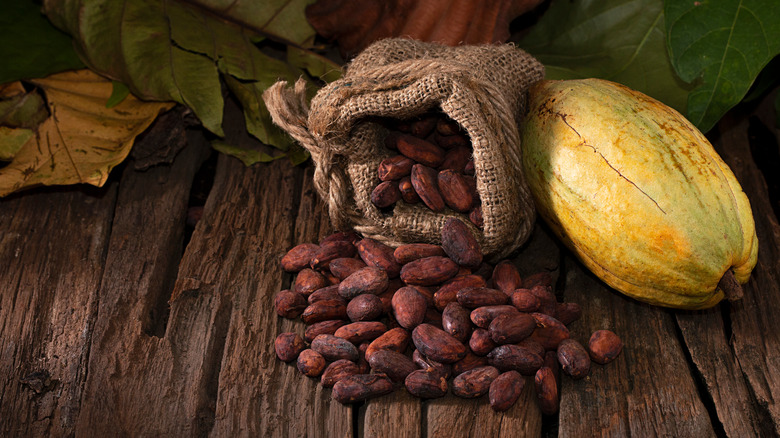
[754,323]
[140,383]
[249,223]
[395,415]
[648,390]
[52,247]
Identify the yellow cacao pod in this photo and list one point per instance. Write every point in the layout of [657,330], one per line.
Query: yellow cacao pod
[637,192]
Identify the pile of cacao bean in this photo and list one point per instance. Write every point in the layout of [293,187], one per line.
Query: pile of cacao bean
[472,328]
[434,165]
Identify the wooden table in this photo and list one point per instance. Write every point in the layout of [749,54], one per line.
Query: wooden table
[91,346]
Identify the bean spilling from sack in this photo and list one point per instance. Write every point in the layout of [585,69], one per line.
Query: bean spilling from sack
[434,166]
[432,319]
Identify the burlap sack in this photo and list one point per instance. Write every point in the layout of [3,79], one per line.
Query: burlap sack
[483,88]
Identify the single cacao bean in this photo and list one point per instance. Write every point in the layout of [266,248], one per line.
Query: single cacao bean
[455,320]
[409,307]
[415,251]
[436,344]
[333,348]
[511,357]
[408,193]
[456,158]
[386,194]
[604,346]
[525,301]
[549,331]
[365,307]
[424,181]
[459,243]
[505,390]
[567,313]
[324,310]
[368,280]
[543,278]
[510,329]
[288,346]
[309,280]
[426,384]
[394,168]
[310,363]
[448,292]
[326,293]
[361,331]
[574,359]
[343,267]
[474,297]
[299,257]
[420,150]
[475,217]
[330,251]
[443,369]
[484,315]
[480,342]
[506,277]
[338,370]
[428,271]
[346,236]
[455,191]
[546,391]
[396,365]
[474,383]
[423,126]
[395,339]
[375,253]
[289,304]
[322,328]
[361,387]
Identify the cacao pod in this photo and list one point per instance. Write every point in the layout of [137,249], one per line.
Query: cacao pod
[638,193]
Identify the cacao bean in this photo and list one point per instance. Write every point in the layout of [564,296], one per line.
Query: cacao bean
[338,370]
[510,329]
[549,331]
[396,339]
[334,348]
[448,292]
[322,328]
[330,251]
[436,344]
[428,271]
[533,346]
[426,384]
[475,217]
[365,307]
[480,342]
[474,297]
[455,320]
[546,391]
[361,331]
[511,357]
[505,390]
[547,301]
[361,387]
[289,304]
[310,363]
[368,280]
[456,158]
[455,191]
[604,346]
[468,363]
[288,346]
[525,301]
[343,267]
[408,193]
[324,310]
[396,365]
[375,253]
[423,126]
[419,150]
[424,181]
[394,168]
[443,369]
[299,257]
[447,127]
[385,194]
[543,278]
[459,243]
[484,315]
[474,383]
[326,293]
[573,358]
[309,280]
[409,307]
[414,251]
[346,236]
[506,277]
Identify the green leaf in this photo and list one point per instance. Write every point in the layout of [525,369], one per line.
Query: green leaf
[118,93]
[185,50]
[30,47]
[722,45]
[20,109]
[247,156]
[618,40]
[316,65]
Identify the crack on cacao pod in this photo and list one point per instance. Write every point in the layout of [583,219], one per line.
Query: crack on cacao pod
[585,143]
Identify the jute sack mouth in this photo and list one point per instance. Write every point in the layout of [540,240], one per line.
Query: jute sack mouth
[483,88]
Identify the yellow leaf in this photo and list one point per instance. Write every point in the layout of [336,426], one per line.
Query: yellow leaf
[82,140]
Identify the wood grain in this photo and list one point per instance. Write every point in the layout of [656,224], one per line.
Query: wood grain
[52,246]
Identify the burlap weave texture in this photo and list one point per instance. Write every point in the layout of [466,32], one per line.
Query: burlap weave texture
[483,88]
